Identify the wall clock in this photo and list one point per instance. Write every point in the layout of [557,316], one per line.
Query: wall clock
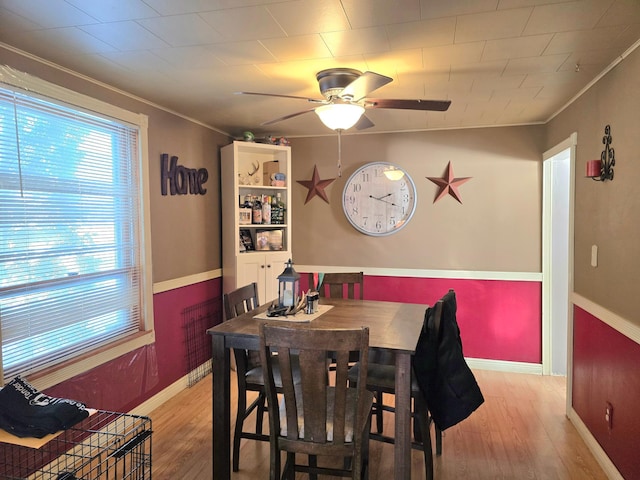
[379,198]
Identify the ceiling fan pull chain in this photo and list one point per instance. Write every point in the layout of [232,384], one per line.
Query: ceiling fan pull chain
[339,152]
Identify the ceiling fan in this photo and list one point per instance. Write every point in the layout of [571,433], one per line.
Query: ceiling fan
[345,100]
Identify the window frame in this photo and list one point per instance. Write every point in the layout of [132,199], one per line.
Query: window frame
[26,83]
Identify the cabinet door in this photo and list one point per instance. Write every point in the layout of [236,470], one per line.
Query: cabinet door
[251,269]
[264,270]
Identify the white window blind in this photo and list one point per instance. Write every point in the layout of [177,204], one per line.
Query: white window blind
[71,269]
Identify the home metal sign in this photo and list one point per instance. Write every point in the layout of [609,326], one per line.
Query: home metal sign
[181,180]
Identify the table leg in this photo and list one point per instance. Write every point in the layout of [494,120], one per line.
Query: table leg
[402,449]
[221,409]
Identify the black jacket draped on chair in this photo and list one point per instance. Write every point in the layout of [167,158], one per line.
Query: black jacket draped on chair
[446,381]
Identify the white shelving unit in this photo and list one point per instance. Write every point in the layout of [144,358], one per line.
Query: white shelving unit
[243,165]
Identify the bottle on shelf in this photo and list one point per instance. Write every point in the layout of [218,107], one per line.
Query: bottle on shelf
[256,216]
[281,208]
[274,210]
[266,210]
[244,211]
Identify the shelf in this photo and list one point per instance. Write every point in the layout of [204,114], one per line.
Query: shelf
[259,252]
[261,187]
[264,225]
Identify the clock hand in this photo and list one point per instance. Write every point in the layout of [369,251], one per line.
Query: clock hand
[383,201]
[380,198]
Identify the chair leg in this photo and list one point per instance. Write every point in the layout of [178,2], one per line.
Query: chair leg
[364,474]
[423,423]
[313,463]
[289,467]
[378,410]
[274,461]
[262,399]
[237,435]
[417,427]
[438,441]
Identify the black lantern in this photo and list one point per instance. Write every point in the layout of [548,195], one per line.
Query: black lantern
[289,286]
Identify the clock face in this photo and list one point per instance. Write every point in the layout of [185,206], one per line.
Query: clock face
[379,198]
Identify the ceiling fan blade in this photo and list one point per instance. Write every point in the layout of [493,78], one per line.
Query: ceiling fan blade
[436,105]
[363,123]
[364,85]
[312,100]
[286,117]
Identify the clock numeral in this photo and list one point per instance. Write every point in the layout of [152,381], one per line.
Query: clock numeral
[365,177]
[357,187]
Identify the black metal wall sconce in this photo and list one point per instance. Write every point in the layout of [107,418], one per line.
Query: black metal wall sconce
[601,170]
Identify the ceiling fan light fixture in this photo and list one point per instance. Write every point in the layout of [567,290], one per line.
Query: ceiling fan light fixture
[340,116]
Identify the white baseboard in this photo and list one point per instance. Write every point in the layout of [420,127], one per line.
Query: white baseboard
[158,399]
[505,366]
[601,457]
[168,393]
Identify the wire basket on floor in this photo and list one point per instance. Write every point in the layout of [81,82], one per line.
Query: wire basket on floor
[105,445]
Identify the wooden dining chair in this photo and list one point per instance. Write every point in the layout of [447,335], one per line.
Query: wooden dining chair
[381,380]
[334,285]
[249,372]
[339,285]
[315,417]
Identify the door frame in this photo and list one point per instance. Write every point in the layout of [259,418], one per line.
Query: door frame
[568,144]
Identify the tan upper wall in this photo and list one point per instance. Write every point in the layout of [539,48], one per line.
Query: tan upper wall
[496,228]
[606,214]
[185,230]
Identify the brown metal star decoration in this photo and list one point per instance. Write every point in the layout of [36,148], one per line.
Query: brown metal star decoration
[448,184]
[316,186]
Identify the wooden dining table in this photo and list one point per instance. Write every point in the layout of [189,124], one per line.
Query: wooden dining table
[393,326]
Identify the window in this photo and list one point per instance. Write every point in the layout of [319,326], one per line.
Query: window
[72,227]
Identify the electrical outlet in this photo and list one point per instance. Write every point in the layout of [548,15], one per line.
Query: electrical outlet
[608,415]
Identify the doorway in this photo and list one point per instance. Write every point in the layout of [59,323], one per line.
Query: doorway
[557,255]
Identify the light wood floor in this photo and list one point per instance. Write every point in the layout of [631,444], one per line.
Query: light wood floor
[520,432]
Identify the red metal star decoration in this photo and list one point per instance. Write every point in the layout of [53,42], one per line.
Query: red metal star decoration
[448,184]
[316,186]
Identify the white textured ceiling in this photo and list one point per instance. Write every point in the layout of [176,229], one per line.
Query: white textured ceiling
[500,62]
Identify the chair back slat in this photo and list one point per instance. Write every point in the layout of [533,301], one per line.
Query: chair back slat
[337,283]
[240,300]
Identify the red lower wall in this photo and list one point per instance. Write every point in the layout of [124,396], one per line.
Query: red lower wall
[605,369]
[499,320]
[128,381]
